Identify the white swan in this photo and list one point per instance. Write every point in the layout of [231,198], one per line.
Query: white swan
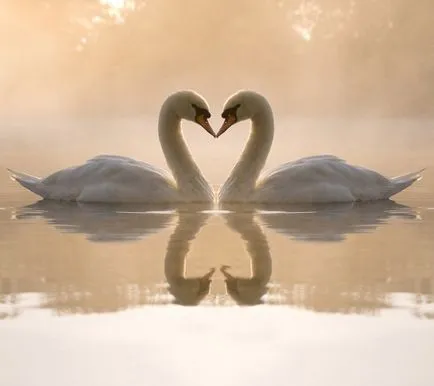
[110,179]
[316,179]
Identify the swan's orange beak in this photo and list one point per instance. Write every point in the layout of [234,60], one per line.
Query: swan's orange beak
[229,121]
[201,120]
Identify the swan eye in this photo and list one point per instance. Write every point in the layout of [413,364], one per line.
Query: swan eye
[201,112]
[230,117]
[231,111]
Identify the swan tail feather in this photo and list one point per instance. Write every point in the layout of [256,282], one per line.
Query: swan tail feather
[29,182]
[400,183]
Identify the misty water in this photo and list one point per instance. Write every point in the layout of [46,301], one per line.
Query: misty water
[334,294]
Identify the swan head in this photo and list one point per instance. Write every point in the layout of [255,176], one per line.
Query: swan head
[240,106]
[191,106]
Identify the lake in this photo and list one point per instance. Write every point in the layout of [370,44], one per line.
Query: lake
[133,295]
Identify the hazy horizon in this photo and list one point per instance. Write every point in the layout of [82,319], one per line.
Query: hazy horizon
[310,58]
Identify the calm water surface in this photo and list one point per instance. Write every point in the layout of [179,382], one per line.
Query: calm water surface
[331,295]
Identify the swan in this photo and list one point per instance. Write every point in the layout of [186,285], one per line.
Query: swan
[116,179]
[315,179]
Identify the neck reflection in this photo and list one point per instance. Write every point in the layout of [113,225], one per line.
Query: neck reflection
[187,291]
[249,291]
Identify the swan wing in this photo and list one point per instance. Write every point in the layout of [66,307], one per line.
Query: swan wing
[327,179]
[303,161]
[104,179]
[129,161]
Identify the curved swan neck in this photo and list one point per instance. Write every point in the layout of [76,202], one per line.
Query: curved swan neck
[246,172]
[187,175]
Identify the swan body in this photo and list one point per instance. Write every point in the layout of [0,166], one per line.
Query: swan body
[315,179]
[323,179]
[104,178]
[116,179]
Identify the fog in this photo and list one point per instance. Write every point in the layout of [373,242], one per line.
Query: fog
[310,58]
[80,78]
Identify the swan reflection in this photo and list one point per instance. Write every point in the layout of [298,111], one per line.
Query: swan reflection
[101,222]
[332,222]
[343,278]
[105,281]
[365,274]
[243,290]
[191,290]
